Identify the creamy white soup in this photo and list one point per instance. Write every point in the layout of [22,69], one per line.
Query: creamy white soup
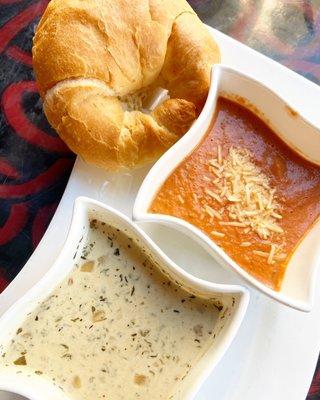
[115,328]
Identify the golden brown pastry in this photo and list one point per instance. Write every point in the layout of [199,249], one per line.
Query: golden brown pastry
[96,59]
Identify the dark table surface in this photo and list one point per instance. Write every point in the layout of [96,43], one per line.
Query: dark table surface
[35,164]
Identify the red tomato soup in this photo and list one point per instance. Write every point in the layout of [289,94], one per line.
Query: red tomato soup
[247,190]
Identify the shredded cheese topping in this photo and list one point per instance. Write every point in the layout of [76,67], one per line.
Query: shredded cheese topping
[246,197]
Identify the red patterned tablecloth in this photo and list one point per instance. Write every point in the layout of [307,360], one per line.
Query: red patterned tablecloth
[35,164]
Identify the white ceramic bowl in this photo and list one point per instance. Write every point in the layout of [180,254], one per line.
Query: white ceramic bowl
[298,286]
[234,300]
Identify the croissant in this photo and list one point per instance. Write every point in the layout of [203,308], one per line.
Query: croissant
[97,62]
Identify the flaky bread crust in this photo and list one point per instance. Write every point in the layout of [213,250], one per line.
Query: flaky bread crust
[88,54]
[94,125]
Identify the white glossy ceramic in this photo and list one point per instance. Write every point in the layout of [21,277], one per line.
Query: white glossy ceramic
[276,349]
[298,286]
[233,298]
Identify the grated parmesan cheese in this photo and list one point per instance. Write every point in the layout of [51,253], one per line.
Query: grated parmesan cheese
[218,234]
[271,254]
[245,244]
[180,198]
[261,253]
[247,201]
[250,200]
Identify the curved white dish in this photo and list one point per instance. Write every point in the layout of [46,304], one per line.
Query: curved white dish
[234,300]
[298,286]
[276,349]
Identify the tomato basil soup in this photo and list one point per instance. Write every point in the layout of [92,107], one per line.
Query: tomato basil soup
[115,328]
[247,190]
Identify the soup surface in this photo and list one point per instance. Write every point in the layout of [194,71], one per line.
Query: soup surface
[115,328]
[247,190]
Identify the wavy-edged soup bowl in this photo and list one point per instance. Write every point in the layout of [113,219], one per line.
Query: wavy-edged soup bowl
[298,285]
[232,299]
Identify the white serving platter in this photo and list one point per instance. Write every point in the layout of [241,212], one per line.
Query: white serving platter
[276,350]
